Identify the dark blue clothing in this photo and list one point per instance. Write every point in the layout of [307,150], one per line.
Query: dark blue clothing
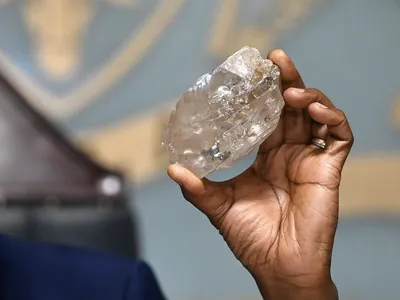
[30,271]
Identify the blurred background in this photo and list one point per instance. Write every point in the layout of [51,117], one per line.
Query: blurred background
[87,87]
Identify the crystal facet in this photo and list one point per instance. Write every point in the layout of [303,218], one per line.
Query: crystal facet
[225,114]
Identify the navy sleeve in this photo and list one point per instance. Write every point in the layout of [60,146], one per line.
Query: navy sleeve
[30,271]
[143,284]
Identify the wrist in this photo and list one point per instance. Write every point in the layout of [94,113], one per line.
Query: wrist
[287,290]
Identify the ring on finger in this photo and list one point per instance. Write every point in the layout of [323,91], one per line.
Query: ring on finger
[320,143]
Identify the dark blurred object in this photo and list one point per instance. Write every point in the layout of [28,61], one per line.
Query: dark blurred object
[51,191]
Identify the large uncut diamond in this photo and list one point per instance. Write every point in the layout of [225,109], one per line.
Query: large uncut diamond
[226,114]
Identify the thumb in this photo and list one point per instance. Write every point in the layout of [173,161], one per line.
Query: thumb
[209,197]
[188,182]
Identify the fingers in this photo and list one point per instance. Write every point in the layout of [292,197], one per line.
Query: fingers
[339,137]
[209,197]
[296,121]
[302,98]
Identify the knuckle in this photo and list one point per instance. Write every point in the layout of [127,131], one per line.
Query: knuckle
[344,123]
[318,96]
[343,118]
[315,95]
[314,91]
[341,114]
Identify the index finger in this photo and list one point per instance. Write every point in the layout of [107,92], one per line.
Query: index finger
[296,122]
[290,77]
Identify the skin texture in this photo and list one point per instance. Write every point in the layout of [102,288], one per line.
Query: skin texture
[279,217]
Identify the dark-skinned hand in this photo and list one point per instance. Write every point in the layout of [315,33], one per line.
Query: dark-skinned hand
[279,217]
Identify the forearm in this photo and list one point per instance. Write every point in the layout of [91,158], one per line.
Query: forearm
[285,291]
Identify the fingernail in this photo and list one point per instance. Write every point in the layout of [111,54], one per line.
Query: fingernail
[300,91]
[321,105]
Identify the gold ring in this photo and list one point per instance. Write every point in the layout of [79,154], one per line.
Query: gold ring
[319,143]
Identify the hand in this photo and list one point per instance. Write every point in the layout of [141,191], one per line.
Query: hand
[279,217]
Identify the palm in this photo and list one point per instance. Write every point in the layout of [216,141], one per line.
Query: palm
[268,225]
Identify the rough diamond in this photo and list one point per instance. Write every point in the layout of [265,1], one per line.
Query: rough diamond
[226,114]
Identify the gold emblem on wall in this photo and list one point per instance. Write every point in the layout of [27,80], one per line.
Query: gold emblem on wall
[133,51]
[57,29]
